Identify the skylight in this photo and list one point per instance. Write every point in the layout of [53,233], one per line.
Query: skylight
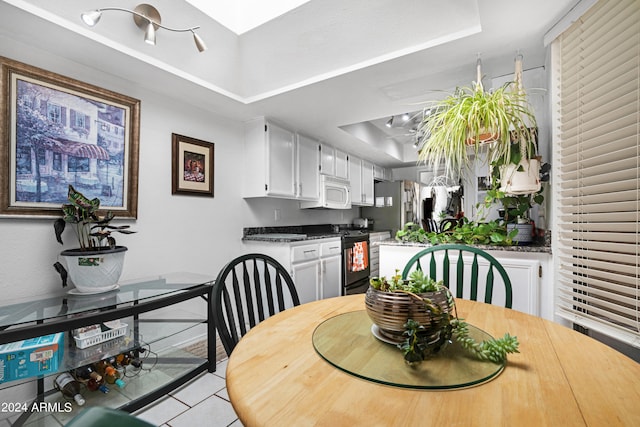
[241,16]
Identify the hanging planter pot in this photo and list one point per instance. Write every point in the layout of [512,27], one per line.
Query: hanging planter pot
[523,178]
[484,137]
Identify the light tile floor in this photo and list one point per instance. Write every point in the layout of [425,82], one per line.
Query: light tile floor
[202,401]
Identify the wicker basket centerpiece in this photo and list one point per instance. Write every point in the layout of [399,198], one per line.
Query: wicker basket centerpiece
[419,316]
[390,304]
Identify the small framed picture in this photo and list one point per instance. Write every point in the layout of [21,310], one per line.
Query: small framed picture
[192,166]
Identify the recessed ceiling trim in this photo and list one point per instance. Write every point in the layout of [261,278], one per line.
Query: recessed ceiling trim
[83,31]
[368,63]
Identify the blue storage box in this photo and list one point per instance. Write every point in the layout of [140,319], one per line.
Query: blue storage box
[28,358]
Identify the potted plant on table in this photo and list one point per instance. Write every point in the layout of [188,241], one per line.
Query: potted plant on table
[97,264]
[420,315]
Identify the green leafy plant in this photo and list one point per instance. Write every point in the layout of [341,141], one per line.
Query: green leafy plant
[93,231]
[475,233]
[418,283]
[458,121]
[417,347]
[515,206]
[412,232]
[464,231]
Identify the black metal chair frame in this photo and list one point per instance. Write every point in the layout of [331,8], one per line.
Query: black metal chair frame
[248,298]
[494,265]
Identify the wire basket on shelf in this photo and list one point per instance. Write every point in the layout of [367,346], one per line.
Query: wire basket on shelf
[84,341]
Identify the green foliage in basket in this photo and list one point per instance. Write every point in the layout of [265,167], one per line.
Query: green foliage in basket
[417,283]
[415,347]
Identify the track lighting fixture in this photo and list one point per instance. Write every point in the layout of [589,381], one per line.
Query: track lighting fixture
[147,18]
[405,117]
[389,122]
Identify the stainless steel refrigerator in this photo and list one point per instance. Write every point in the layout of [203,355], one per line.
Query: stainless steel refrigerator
[396,203]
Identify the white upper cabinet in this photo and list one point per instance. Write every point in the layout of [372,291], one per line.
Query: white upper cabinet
[269,154]
[381,174]
[334,162]
[355,178]
[341,164]
[279,162]
[327,160]
[367,183]
[361,178]
[308,168]
[281,165]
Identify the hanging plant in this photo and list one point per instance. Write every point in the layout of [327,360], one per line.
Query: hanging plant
[463,122]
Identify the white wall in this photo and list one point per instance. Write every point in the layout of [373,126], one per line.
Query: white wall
[175,233]
[261,212]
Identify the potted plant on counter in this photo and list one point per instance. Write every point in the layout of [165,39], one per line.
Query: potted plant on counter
[95,266]
[462,231]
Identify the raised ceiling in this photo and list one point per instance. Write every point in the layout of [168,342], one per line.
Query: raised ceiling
[324,67]
[241,16]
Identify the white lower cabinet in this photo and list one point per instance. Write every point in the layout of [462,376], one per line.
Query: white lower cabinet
[529,272]
[374,250]
[330,269]
[314,265]
[307,275]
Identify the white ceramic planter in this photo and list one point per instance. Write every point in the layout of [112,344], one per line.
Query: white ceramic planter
[517,182]
[94,271]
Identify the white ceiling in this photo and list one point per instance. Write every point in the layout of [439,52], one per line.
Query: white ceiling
[332,69]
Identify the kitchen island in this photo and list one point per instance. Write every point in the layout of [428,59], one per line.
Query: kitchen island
[529,269]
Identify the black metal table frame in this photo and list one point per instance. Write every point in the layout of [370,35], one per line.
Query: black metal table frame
[107,314]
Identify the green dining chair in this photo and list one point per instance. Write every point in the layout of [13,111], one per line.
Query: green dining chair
[451,258]
[98,416]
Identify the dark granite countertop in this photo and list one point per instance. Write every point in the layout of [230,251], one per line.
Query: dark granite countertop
[511,248]
[293,233]
[286,237]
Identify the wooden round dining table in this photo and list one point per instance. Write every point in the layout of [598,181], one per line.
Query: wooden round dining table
[275,377]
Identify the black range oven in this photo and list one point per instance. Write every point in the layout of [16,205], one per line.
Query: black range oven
[355,262]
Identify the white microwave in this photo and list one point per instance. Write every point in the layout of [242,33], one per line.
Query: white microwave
[335,193]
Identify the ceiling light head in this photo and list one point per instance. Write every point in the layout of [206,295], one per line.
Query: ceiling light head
[389,122]
[150,34]
[199,42]
[405,117]
[92,17]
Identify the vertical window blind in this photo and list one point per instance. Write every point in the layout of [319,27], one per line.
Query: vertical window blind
[598,165]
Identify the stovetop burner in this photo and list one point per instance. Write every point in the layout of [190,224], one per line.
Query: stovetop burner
[354,233]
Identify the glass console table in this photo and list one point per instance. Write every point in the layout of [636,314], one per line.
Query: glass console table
[141,304]
[347,342]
